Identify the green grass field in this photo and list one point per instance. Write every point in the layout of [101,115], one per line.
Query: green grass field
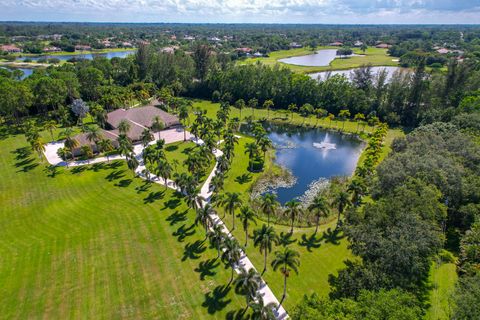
[372,56]
[95,243]
[443,278]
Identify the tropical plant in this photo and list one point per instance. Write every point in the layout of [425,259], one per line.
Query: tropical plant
[50,125]
[264,143]
[253,103]
[268,104]
[251,149]
[94,134]
[292,107]
[247,283]
[216,237]
[264,238]
[231,254]
[87,152]
[124,127]
[231,202]
[240,104]
[268,205]
[260,311]
[341,201]
[146,137]
[132,163]
[343,115]
[183,117]
[287,260]
[204,217]
[293,209]
[64,154]
[125,146]
[38,146]
[164,170]
[246,216]
[359,118]
[319,207]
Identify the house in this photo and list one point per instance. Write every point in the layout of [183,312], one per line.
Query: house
[81,47]
[10,48]
[258,54]
[443,51]
[294,45]
[214,39]
[189,38]
[140,118]
[51,49]
[244,50]
[336,44]
[358,43]
[383,46]
[127,45]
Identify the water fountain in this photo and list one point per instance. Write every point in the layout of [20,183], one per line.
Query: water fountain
[325,144]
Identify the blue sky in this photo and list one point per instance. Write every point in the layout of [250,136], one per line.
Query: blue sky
[245,11]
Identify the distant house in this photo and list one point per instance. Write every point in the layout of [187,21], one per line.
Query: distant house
[336,44]
[294,45]
[51,49]
[358,43]
[170,50]
[244,50]
[189,38]
[443,51]
[140,118]
[127,44]
[10,48]
[383,46]
[214,39]
[258,54]
[173,37]
[81,47]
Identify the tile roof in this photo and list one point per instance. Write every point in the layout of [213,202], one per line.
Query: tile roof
[142,116]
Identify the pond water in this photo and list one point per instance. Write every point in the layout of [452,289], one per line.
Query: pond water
[320,58]
[26,72]
[347,73]
[312,156]
[88,56]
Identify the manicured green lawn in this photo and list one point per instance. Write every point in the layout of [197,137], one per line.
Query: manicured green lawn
[443,278]
[176,153]
[95,243]
[373,56]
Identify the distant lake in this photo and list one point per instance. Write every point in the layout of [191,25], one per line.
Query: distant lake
[321,58]
[87,55]
[347,73]
[312,155]
[26,72]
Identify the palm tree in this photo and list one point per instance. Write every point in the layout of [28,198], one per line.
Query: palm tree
[216,237]
[124,126]
[105,145]
[360,118]
[248,283]
[183,116]
[319,207]
[264,143]
[51,125]
[292,107]
[260,311]
[164,170]
[320,113]
[232,202]
[231,254]
[38,146]
[192,199]
[158,125]
[146,137]
[344,114]
[87,152]
[240,104]
[267,105]
[287,260]
[293,209]
[132,162]
[70,142]
[357,188]
[64,154]
[203,217]
[252,103]
[94,133]
[269,205]
[124,145]
[246,216]
[341,201]
[264,238]
[217,182]
[251,149]
[331,117]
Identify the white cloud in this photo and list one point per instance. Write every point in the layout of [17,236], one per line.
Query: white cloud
[309,11]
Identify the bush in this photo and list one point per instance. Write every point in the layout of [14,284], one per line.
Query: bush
[446,256]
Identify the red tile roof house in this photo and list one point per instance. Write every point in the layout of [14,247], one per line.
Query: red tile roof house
[336,44]
[82,48]
[10,48]
[140,118]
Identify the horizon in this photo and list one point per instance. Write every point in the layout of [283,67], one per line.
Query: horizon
[380,12]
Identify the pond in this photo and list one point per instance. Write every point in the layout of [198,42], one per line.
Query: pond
[87,55]
[347,73]
[320,58]
[313,156]
[26,72]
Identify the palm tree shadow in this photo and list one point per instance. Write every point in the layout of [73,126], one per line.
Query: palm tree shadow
[333,237]
[153,196]
[237,315]
[78,169]
[97,167]
[115,175]
[285,239]
[194,250]
[207,268]
[244,178]
[311,242]
[144,187]
[214,301]
[51,171]
[184,232]
[123,183]
[172,203]
[22,153]
[177,217]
